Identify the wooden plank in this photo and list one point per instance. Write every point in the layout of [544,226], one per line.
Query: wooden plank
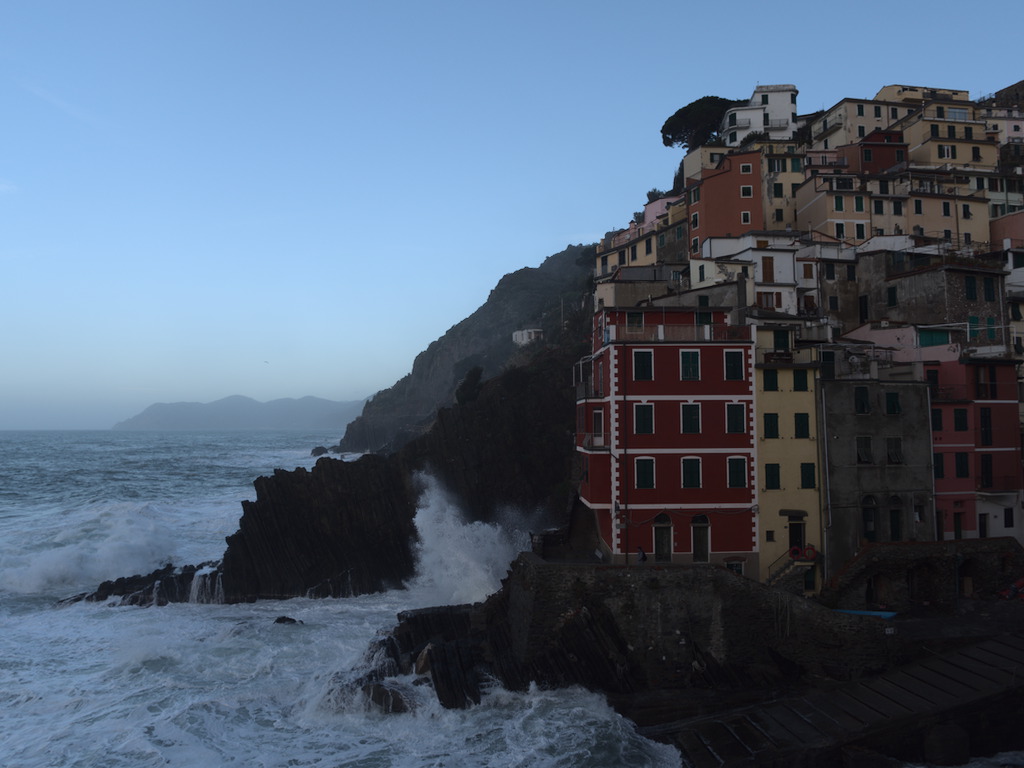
[923,672]
[695,750]
[803,731]
[876,700]
[782,736]
[1013,643]
[866,714]
[722,742]
[939,697]
[977,682]
[844,710]
[1008,665]
[749,735]
[979,668]
[820,720]
[909,699]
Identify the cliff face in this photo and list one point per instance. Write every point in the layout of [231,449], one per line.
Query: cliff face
[347,528]
[531,297]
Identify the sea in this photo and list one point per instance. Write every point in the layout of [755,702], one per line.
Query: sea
[98,685]
[88,685]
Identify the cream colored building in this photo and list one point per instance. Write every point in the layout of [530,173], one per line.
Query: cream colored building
[789,466]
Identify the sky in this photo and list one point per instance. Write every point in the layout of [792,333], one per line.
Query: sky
[204,198]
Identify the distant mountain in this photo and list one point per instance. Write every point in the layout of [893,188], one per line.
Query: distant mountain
[238,413]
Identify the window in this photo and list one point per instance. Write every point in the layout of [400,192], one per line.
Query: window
[960,419]
[894,450]
[643,365]
[648,246]
[691,473]
[622,257]
[737,471]
[878,111]
[861,401]
[947,151]
[975,154]
[869,515]
[689,365]
[867,155]
[946,211]
[970,287]
[860,132]
[860,110]
[939,465]
[746,191]
[770,378]
[772,477]
[858,203]
[644,473]
[694,220]
[690,423]
[695,245]
[962,463]
[830,270]
[734,366]
[893,113]
[801,425]
[897,207]
[799,380]
[771,425]
[833,302]
[807,479]
[851,272]
[989,287]
[777,190]
[890,296]
[735,418]
[900,155]
[1007,517]
[973,326]
[744,217]
[808,271]
[695,195]
[985,470]
[864,450]
[746,168]
[878,206]
[643,418]
[934,131]
[918,207]
[892,403]
[840,230]
[985,426]
[936,419]
[838,203]
[764,98]
[859,229]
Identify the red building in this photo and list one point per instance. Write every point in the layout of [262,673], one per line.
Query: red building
[665,427]
[727,200]
[976,438]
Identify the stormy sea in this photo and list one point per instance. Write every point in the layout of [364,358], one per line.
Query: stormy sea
[197,684]
[89,685]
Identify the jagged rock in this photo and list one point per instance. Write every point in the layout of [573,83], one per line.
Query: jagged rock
[286,620]
[388,698]
[318,451]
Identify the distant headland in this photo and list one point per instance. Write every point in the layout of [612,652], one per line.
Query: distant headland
[239,413]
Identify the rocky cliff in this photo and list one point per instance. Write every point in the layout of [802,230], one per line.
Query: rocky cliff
[346,528]
[533,297]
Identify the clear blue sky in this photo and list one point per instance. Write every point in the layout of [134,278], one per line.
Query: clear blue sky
[201,198]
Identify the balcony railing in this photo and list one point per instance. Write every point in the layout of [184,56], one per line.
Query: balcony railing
[675,333]
[785,356]
[591,440]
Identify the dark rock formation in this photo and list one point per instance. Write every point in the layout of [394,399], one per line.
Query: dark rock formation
[347,528]
[541,297]
[164,585]
[662,643]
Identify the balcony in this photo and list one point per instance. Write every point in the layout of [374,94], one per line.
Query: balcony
[592,440]
[776,125]
[803,356]
[676,333]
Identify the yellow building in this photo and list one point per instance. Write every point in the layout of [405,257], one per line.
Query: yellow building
[790,468]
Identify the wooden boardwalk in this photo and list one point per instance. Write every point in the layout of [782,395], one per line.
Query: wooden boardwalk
[860,712]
